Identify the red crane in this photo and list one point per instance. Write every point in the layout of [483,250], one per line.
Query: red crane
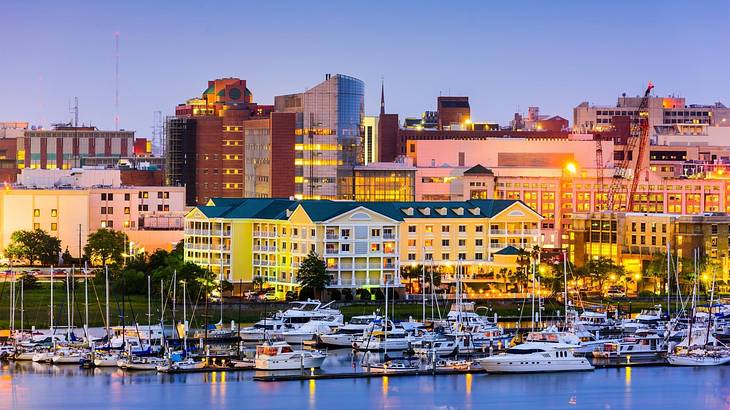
[636,145]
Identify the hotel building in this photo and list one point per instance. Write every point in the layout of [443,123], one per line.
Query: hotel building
[364,244]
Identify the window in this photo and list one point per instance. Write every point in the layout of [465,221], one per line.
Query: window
[103,197]
[411,256]
[54,213]
[428,243]
[126,224]
[159,195]
[314,233]
[479,228]
[345,247]
[411,228]
[126,197]
[36,226]
[144,207]
[462,256]
[411,242]
[126,210]
[478,256]
[462,242]
[109,210]
[345,233]
[54,226]
[103,210]
[36,212]
[428,256]
[445,256]
[479,242]
[110,197]
[462,228]
[375,232]
[143,194]
[444,242]
[159,207]
[445,228]
[374,247]
[429,228]
[295,231]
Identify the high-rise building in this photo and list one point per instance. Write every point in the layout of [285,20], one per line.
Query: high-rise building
[206,144]
[329,136]
[370,139]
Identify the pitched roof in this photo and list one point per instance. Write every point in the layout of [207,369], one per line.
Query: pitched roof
[318,211]
[478,170]
[508,250]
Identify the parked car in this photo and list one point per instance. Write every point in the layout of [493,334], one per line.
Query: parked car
[615,292]
[269,295]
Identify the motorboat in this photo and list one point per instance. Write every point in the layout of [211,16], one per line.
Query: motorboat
[393,366]
[244,363]
[7,351]
[261,330]
[595,321]
[188,364]
[24,355]
[105,359]
[641,344]
[67,356]
[281,356]
[137,363]
[647,318]
[306,332]
[344,335]
[43,356]
[305,311]
[393,339]
[546,351]
[443,364]
[462,317]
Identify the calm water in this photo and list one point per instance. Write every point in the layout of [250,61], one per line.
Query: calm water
[35,386]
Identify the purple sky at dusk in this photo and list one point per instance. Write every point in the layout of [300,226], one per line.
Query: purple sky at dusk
[501,54]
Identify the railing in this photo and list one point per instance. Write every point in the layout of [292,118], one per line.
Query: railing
[389,266]
[332,236]
[499,245]
[218,232]
[265,248]
[197,232]
[388,236]
[498,232]
[331,251]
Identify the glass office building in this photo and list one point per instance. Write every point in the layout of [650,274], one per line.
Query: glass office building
[329,136]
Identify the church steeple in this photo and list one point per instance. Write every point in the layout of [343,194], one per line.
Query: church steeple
[382,97]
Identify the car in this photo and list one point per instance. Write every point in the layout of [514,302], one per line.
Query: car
[269,295]
[615,292]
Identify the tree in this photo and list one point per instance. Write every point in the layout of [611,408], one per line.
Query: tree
[411,272]
[34,246]
[106,246]
[258,282]
[657,269]
[602,268]
[313,273]
[29,281]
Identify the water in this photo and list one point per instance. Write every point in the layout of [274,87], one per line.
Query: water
[38,386]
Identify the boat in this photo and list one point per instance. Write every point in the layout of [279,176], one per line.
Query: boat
[647,318]
[106,359]
[244,363]
[24,355]
[43,356]
[462,317]
[393,366]
[261,330]
[7,351]
[699,349]
[344,335]
[67,356]
[305,311]
[306,332]
[452,365]
[644,343]
[188,364]
[136,363]
[281,356]
[396,339]
[595,321]
[546,351]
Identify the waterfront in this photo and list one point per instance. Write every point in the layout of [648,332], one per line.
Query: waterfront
[36,386]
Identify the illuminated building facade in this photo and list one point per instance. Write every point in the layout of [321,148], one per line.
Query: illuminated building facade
[206,145]
[364,244]
[385,181]
[66,147]
[329,136]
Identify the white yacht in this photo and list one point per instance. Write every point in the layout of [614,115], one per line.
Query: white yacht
[261,330]
[140,363]
[187,364]
[393,366]
[306,311]
[307,332]
[646,319]
[594,321]
[106,359]
[546,351]
[67,356]
[393,338]
[462,318]
[701,349]
[344,335]
[642,344]
[281,356]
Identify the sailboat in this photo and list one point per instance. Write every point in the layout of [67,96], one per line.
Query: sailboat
[700,348]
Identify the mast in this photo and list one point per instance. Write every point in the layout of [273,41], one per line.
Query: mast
[565,285]
[385,328]
[149,308]
[174,302]
[185,321]
[86,304]
[532,298]
[52,331]
[669,269]
[106,292]
[22,303]
[68,306]
[11,312]
[423,288]
[162,313]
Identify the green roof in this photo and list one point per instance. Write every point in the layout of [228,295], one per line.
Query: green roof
[209,90]
[274,208]
[508,250]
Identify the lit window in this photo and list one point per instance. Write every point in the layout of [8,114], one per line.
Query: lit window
[54,213]
[54,226]
[36,212]
[36,226]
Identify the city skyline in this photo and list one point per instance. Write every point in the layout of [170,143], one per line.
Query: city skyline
[168,54]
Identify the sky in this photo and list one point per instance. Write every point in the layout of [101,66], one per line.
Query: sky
[504,55]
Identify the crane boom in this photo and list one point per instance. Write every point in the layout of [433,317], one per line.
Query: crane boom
[636,144]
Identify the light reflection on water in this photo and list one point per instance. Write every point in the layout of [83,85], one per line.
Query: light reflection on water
[31,385]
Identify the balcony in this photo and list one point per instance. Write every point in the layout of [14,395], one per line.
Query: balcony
[498,232]
[389,266]
[332,236]
[388,236]
[498,245]
[203,232]
[218,232]
[331,251]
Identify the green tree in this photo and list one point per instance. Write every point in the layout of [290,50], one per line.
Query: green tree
[34,246]
[313,273]
[411,272]
[657,269]
[258,283]
[106,246]
[602,268]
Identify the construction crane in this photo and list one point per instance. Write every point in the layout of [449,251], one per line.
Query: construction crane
[599,172]
[636,143]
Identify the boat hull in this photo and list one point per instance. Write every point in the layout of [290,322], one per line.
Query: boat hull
[289,363]
[501,364]
[677,360]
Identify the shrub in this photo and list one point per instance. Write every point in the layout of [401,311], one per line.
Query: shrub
[335,294]
[306,293]
[347,293]
[364,294]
